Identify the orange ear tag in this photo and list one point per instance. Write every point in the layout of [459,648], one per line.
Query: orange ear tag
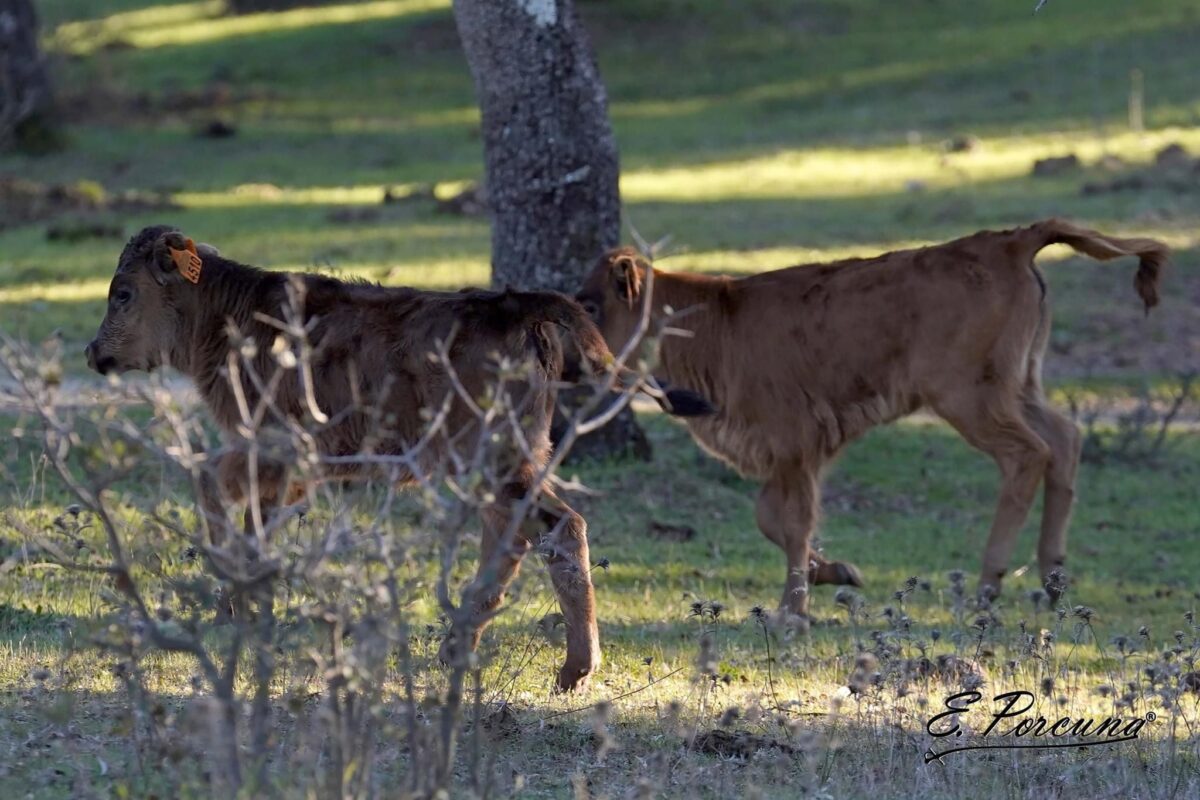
[188,262]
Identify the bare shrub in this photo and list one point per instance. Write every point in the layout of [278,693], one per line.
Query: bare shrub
[325,679]
[312,665]
[1133,432]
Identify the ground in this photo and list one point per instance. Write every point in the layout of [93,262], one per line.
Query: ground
[756,134]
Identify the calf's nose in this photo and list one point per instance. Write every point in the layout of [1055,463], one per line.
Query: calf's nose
[90,352]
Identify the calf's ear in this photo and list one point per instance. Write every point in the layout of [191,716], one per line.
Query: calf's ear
[629,279]
[175,258]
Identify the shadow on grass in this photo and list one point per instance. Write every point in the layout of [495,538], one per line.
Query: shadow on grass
[645,742]
[18,622]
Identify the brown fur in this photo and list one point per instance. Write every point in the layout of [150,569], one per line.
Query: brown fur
[801,361]
[372,348]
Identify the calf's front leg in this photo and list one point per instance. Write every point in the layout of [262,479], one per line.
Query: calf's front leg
[787,513]
[262,489]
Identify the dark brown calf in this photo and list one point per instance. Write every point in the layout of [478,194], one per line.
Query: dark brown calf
[801,361]
[371,349]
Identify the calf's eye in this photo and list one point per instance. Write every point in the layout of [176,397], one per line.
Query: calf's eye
[122,296]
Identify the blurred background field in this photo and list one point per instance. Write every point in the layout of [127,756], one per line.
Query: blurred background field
[755,134]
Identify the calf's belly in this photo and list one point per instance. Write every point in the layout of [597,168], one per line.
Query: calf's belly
[742,447]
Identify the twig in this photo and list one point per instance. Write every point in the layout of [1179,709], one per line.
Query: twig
[630,693]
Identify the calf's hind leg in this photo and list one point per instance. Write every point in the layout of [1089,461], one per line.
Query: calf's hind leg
[1000,430]
[1063,438]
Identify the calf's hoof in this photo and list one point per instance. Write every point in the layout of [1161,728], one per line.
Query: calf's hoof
[226,610]
[573,677]
[836,573]
[450,652]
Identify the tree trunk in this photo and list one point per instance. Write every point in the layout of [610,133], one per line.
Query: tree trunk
[551,158]
[25,98]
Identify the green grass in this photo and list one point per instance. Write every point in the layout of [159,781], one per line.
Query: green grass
[911,500]
[756,134]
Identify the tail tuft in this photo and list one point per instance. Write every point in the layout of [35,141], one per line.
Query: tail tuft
[1146,280]
[1152,253]
[686,403]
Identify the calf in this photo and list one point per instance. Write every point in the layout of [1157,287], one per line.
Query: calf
[171,305]
[801,361]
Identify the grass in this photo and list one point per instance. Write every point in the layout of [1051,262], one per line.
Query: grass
[911,500]
[778,133]
[757,134]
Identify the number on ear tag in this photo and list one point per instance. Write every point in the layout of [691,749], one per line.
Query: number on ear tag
[188,262]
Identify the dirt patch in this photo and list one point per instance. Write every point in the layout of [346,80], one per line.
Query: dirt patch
[217,129]
[737,744]
[671,533]
[1058,165]
[1174,170]
[964,143]
[395,202]
[949,669]
[24,202]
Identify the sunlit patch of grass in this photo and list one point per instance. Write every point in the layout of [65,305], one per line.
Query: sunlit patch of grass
[196,23]
[252,194]
[851,172]
[427,273]
[85,36]
[413,121]
[91,289]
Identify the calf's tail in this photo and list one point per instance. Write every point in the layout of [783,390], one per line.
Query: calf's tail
[1152,254]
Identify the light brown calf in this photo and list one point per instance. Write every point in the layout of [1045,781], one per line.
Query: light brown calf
[801,361]
[371,361]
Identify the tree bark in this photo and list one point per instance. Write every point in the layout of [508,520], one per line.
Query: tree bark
[26,102]
[551,158]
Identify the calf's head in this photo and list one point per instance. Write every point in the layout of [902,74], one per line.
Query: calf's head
[142,323]
[614,295]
